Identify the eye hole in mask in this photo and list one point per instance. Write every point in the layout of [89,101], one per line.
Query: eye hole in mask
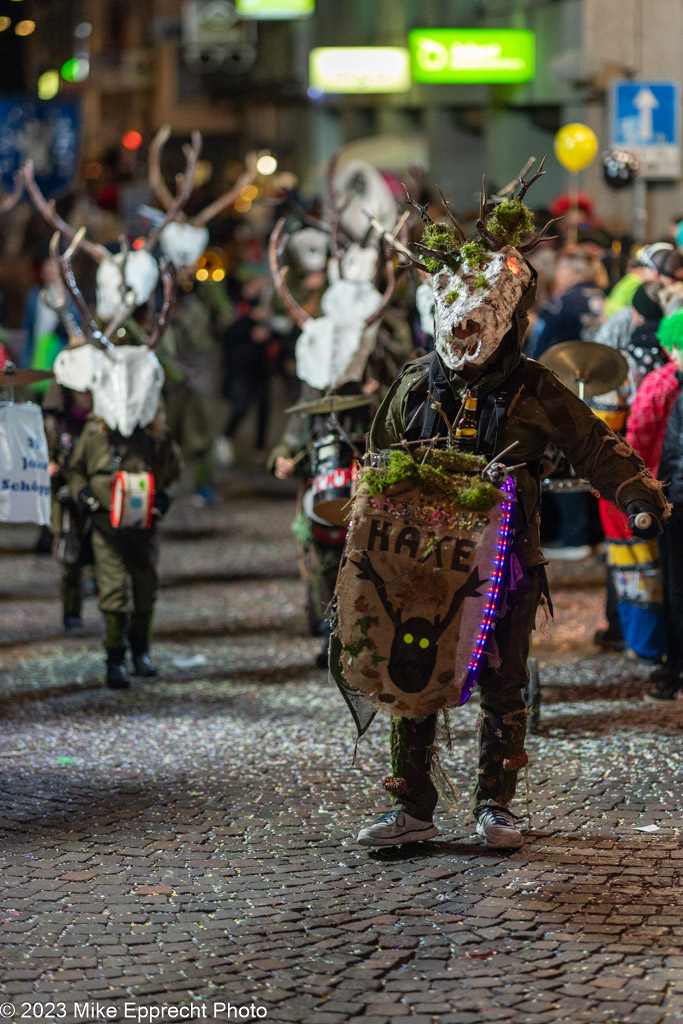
[512,265]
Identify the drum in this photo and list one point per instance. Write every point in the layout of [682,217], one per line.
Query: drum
[423,572]
[132,501]
[557,474]
[334,469]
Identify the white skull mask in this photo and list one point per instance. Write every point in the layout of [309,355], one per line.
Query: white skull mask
[183,244]
[125,382]
[424,300]
[475,306]
[310,249]
[358,263]
[141,275]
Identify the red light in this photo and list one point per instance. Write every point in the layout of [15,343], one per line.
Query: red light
[131,140]
[512,265]
[138,243]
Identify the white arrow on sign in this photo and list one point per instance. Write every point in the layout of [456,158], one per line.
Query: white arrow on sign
[645,102]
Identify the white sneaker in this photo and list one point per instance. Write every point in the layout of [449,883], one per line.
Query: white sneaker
[224,452]
[497,825]
[396,827]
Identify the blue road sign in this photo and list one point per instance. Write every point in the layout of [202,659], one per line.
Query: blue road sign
[47,133]
[646,119]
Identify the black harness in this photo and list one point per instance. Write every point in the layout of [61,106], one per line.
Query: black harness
[424,421]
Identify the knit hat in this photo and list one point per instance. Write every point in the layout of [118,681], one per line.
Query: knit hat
[662,257]
[646,305]
[670,331]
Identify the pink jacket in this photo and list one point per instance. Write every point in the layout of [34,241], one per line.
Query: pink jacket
[650,412]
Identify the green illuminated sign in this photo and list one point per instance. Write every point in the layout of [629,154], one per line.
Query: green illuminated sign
[275,9]
[359,69]
[471,55]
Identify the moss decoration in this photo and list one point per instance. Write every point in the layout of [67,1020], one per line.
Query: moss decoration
[511,221]
[441,471]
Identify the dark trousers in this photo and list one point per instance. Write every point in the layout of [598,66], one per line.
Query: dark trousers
[671,557]
[502,722]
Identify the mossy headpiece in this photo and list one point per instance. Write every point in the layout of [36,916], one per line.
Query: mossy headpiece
[479,284]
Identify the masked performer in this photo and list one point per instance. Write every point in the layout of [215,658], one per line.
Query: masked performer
[481,383]
[134,441]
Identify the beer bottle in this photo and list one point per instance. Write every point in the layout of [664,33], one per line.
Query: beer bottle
[466,427]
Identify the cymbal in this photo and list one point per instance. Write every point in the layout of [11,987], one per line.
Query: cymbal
[331,403]
[598,368]
[13,377]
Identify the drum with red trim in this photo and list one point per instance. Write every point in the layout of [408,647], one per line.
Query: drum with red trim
[334,471]
[132,500]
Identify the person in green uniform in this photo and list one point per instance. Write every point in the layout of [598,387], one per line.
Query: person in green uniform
[483,290]
[126,559]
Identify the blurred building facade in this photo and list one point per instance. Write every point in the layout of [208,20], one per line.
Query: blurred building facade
[245,85]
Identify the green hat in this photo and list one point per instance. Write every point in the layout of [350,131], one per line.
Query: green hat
[670,331]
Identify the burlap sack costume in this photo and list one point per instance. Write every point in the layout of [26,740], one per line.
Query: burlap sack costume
[420,583]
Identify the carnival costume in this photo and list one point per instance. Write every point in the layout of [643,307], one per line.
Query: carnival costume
[445,593]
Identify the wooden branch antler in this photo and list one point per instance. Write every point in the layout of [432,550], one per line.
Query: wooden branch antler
[59,302]
[13,197]
[422,210]
[156,180]
[462,237]
[386,298]
[169,281]
[89,328]
[540,236]
[47,209]
[228,198]
[184,183]
[393,235]
[515,181]
[279,274]
[494,242]
[524,186]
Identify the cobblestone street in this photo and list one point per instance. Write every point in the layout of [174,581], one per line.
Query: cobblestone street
[188,846]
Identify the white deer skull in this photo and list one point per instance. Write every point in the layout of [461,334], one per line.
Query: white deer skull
[141,277]
[183,243]
[309,247]
[125,382]
[424,300]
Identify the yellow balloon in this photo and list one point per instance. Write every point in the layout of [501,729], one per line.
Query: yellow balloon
[575,146]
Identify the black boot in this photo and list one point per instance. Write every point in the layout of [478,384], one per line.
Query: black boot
[138,637]
[117,676]
[143,664]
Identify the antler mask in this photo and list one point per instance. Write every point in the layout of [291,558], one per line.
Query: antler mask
[479,285]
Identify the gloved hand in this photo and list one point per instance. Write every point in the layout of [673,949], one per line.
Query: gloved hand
[634,510]
[162,503]
[87,502]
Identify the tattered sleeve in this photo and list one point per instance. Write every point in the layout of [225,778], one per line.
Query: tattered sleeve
[594,450]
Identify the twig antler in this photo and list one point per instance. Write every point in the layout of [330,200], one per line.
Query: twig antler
[12,198]
[524,186]
[184,182]
[275,246]
[89,327]
[494,242]
[47,209]
[171,203]
[462,237]
[386,298]
[422,210]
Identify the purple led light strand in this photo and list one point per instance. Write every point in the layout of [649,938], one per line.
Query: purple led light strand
[493,597]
